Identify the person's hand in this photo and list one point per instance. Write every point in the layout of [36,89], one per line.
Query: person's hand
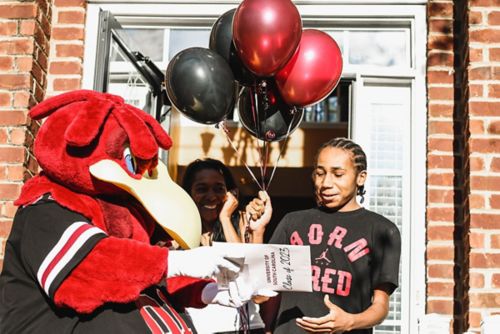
[229,206]
[263,295]
[336,321]
[259,212]
[201,262]
[237,294]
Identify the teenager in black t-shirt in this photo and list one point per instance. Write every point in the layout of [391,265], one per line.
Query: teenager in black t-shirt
[354,252]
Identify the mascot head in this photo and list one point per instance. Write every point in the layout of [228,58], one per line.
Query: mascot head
[85,127]
[96,144]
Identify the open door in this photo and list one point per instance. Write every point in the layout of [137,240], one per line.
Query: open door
[122,68]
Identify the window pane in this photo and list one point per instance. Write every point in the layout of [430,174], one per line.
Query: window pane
[379,48]
[386,150]
[383,329]
[385,193]
[132,88]
[181,39]
[149,42]
[333,109]
[382,127]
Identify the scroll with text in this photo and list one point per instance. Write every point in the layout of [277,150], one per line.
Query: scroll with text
[272,267]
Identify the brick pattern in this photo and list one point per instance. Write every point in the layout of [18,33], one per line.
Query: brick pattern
[484,114]
[442,194]
[24,48]
[66,58]
[463,198]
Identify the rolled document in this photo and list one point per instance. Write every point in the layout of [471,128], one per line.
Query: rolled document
[272,267]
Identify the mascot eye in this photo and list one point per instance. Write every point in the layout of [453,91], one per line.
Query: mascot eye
[129,160]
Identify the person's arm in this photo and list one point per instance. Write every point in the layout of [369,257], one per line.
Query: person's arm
[225,214]
[338,320]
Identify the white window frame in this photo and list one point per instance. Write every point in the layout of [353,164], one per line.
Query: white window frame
[413,12]
[361,134]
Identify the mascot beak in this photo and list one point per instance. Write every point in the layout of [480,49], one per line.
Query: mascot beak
[165,201]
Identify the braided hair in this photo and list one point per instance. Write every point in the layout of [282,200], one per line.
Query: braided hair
[358,157]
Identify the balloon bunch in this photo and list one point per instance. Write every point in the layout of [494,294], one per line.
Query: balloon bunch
[269,39]
[261,46]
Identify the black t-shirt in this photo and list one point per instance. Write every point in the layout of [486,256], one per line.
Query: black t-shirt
[46,243]
[351,254]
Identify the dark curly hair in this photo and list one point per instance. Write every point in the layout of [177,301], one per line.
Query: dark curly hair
[202,164]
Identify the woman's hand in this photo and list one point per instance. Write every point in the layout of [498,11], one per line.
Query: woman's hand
[336,321]
[230,205]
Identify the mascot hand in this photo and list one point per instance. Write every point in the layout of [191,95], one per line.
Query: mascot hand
[237,294]
[201,262]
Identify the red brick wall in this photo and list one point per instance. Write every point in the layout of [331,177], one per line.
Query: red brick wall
[441,195]
[66,59]
[24,50]
[463,216]
[484,143]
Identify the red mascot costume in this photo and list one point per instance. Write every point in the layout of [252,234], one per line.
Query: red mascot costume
[81,256]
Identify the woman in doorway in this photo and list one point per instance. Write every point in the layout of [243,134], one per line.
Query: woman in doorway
[213,189]
[354,252]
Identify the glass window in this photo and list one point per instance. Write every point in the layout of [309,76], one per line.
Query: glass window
[148,41]
[334,109]
[378,48]
[382,128]
[181,39]
[386,146]
[386,198]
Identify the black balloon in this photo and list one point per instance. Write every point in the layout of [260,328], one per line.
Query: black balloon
[221,41]
[271,118]
[200,85]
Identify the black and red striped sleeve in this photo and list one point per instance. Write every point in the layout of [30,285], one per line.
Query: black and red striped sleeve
[79,266]
[54,241]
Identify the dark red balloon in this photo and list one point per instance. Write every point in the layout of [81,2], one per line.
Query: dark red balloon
[313,72]
[266,34]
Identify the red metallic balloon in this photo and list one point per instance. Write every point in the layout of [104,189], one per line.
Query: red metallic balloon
[313,72]
[266,34]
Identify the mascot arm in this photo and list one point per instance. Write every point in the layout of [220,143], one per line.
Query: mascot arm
[186,291]
[116,270]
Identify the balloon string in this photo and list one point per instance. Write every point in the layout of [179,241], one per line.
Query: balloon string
[282,148]
[265,162]
[253,104]
[255,109]
[224,129]
[242,89]
[255,114]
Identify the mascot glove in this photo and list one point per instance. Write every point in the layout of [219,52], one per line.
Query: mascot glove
[201,262]
[237,294]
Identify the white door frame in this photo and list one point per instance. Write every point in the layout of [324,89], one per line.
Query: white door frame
[161,13]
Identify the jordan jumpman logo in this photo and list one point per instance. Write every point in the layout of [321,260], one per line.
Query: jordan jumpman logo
[323,257]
